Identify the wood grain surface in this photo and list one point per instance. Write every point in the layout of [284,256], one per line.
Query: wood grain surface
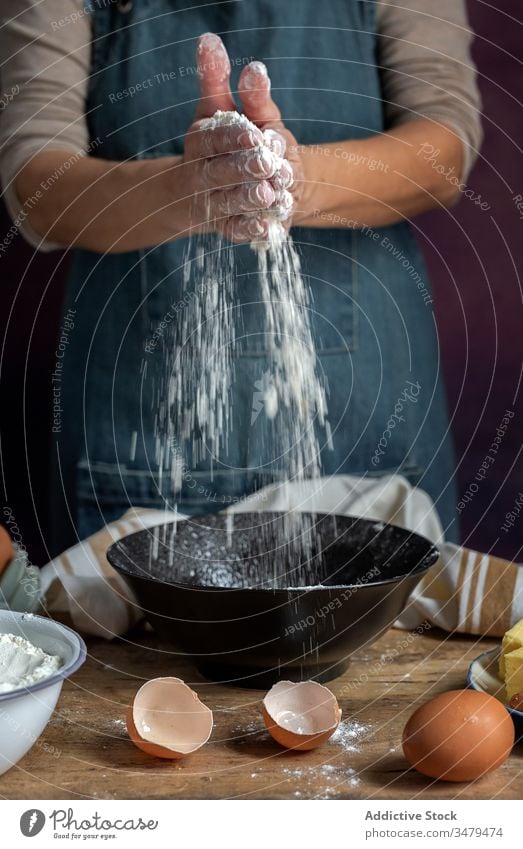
[85,752]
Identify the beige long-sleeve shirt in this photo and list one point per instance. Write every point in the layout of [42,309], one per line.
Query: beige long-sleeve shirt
[423,54]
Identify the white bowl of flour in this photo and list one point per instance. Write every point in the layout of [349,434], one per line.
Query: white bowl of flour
[36,656]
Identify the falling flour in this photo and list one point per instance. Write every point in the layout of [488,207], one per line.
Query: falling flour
[195,396]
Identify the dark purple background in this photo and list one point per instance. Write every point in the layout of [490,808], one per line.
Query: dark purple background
[478,293]
[472,254]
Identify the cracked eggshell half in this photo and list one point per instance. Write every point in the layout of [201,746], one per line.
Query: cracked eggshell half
[300,716]
[168,720]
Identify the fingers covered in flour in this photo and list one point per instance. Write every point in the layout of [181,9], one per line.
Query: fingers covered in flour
[275,142]
[249,197]
[204,139]
[236,168]
[254,87]
[214,71]
[244,228]
[284,176]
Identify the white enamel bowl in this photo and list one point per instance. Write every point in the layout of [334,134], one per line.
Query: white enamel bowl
[24,713]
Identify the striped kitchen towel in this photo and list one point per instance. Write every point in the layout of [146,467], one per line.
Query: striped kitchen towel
[468,592]
[82,583]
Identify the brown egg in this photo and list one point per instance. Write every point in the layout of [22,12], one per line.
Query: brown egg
[458,736]
[7,551]
[167,719]
[300,716]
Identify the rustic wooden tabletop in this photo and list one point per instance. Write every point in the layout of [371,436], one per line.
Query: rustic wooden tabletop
[85,752]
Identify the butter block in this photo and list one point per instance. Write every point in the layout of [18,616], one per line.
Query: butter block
[512,640]
[514,673]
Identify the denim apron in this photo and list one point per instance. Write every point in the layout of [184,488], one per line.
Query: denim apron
[372,315]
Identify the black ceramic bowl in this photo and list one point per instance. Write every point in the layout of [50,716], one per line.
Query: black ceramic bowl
[207,585]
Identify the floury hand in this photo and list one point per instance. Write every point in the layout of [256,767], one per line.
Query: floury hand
[232,170]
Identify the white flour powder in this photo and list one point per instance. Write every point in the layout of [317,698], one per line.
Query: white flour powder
[194,410]
[23,664]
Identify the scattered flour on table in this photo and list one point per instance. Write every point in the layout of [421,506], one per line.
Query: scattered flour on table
[349,735]
[332,777]
[23,664]
[118,725]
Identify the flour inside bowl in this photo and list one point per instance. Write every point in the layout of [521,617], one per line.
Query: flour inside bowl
[23,664]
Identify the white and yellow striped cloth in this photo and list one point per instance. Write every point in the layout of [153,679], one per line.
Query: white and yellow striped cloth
[465,591]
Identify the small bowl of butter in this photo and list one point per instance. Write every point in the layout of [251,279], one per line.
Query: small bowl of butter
[499,672]
[36,656]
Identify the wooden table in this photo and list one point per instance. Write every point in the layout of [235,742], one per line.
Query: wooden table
[85,751]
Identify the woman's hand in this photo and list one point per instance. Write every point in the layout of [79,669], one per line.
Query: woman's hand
[258,106]
[227,171]
[363,182]
[234,173]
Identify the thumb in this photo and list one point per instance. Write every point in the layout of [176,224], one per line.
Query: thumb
[254,88]
[214,70]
